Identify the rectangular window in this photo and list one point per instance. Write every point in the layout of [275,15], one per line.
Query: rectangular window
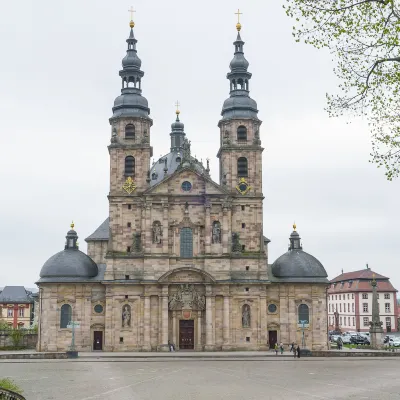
[329,308]
[121,340]
[10,312]
[243,247]
[352,295]
[387,296]
[129,207]
[186,243]
[354,321]
[21,312]
[388,322]
[366,321]
[365,296]
[341,323]
[243,225]
[335,296]
[348,320]
[128,249]
[247,268]
[352,308]
[129,224]
[340,307]
[348,308]
[340,297]
[365,307]
[127,277]
[387,307]
[348,296]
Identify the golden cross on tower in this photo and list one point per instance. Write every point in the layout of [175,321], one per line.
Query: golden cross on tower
[131,10]
[238,25]
[177,108]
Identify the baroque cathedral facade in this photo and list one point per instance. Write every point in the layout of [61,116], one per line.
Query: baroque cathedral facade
[182,259]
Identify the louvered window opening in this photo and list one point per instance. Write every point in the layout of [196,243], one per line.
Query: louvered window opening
[186,243]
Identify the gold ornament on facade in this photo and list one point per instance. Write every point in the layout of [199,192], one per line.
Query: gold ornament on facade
[243,187]
[129,185]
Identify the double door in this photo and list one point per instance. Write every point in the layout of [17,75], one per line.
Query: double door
[186,334]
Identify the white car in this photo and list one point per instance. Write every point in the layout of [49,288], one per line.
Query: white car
[334,338]
[396,342]
[346,339]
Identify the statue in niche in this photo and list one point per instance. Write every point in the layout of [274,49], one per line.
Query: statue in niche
[137,242]
[216,232]
[246,316]
[114,135]
[226,139]
[186,150]
[236,248]
[157,232]
[126,316]
[145,137]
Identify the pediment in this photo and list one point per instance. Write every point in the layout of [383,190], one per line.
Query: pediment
[200,184]
[186,275]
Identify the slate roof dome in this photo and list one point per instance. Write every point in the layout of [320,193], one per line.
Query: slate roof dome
[69,263]
[298,265]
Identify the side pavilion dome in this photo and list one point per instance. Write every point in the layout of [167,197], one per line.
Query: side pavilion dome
[298,266]
[69,263]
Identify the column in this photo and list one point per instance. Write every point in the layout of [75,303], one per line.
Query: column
[174,337]
[226,325]
[148,238]
[209,321]
[264,327]
[199,319]
[225,231]
[165,229]
[164,318]
[147,323]
[207,230]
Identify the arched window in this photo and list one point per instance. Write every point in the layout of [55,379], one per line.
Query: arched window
[186,243]
[65,315]
[242,169]
[130,131]
[129,166]
[242,133]
[304,314]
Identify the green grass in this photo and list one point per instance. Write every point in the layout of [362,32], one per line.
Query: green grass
[8,384]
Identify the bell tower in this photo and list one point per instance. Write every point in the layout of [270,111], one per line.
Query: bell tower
[240,152]
[130,149]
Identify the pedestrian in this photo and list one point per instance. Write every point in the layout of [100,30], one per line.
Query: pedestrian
[339,343]
[281,347]
[294,350]
[170,346]
[276,349]
[292,347]
[298,351]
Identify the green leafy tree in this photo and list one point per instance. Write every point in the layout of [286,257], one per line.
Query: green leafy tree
[16,336]
[8,384]
[364,36]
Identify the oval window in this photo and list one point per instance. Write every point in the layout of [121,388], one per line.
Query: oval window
[186,186]
[98,308]
[272,308]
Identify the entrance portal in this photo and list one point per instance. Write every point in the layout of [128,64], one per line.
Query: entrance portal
[98,340]
[186,334]
[273,338]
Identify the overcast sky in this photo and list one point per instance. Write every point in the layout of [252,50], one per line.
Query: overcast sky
[59,78]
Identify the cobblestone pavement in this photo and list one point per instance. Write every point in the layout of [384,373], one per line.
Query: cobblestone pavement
[284,378]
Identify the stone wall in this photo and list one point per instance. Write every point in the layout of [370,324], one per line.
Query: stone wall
[28,341]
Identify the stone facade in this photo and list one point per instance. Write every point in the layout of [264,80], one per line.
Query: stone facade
[181,259]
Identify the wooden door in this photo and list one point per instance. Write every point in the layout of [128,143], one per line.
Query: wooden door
[98,340]
[186,334]
[273,338]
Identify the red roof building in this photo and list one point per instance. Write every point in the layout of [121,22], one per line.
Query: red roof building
[350,297]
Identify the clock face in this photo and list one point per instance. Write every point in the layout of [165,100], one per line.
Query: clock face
[243,187]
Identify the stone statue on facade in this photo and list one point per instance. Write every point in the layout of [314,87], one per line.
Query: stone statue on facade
[216,232]
[186,150]
[157,232]
[246,316]
[126,316]
[236,248]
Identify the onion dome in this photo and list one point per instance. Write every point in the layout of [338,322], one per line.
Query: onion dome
[239,104]
[131,103]
[71,262]
[297,265]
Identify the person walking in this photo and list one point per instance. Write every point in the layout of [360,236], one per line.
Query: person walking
[292,347]
[294,350]
[298,351]
[281,347]
[276,349]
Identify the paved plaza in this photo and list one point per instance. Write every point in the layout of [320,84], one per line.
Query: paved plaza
[280,378]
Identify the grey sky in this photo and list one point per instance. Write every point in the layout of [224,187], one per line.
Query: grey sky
[59,78]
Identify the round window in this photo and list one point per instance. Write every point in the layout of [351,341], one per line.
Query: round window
[98,308]
[272,308]
[186,186]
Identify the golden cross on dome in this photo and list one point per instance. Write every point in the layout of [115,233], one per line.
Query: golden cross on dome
[238,13]
[131,10]
[177,107]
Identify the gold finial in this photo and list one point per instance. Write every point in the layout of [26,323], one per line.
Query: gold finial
[238,25]
[131,10]
[177,112]
[294,226]
[72,225]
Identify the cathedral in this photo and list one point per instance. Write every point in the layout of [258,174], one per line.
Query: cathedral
[182,260]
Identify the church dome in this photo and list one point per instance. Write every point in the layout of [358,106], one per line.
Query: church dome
[296,263]
[239,107]
[131,60]
[69,263]
[239,62]
[131,104]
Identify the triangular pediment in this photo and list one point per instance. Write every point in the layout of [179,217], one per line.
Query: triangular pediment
[200,184]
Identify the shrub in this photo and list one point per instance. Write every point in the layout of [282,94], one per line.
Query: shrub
[16,336]
[8,384]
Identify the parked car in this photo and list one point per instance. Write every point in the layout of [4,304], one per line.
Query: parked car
[346,339]
[359,339]
[334,338]
[396,342]
[388,338]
